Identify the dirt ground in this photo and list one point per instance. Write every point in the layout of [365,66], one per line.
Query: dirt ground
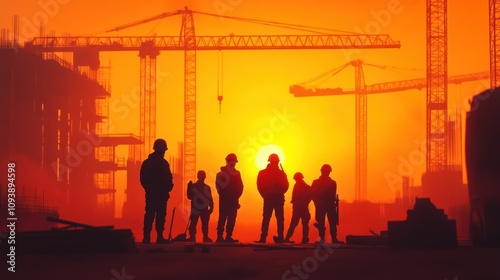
[178,261]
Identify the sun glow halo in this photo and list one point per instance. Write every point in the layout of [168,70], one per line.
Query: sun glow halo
[264,152]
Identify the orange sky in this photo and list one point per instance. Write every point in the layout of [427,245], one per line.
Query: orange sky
[318,130]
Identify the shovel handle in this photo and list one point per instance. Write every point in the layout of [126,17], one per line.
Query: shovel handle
[171,224]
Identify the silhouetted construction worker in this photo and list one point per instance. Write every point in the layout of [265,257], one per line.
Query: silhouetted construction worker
[272,185]
[301,196]
[229,187]
[324,191]
[156,179]
[202,205]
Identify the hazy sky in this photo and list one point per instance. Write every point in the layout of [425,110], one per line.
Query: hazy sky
[258,109]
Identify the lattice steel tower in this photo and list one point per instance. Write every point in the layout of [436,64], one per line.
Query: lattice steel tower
[494,9]
[147,129]
[361,131]
[437,85]
[189,170]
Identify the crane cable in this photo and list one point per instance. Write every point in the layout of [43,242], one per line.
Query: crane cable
[220,78]
[280,24]
[330,73]
[395,69]
[326,75]
[299,27]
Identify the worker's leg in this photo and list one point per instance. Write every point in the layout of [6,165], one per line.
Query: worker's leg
[193,223]
[205,217]
[332,222]
[149,216]
[266,217]
[320,223]
[161,214]
[231,220]
[279,212]
[222,220]
[293,224]
[305,217]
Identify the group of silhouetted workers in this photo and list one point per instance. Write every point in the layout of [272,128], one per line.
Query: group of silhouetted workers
[272,184]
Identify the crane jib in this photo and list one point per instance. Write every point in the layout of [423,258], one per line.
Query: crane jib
[232,42]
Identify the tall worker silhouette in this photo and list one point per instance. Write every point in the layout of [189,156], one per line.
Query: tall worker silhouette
[156,179]
[324,191]
[272,185]
[229,187]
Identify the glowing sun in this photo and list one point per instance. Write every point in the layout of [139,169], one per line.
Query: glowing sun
[263,155]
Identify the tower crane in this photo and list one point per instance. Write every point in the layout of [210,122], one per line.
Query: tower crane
[149,48]
[361,91]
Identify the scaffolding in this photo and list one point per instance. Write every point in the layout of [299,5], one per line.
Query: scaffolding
[104,176]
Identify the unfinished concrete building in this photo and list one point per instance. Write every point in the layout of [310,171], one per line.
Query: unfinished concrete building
[55,118]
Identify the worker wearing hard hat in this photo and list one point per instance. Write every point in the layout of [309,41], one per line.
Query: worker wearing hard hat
[324,191]
[301,197]
[202,206]
[156,179]
[272,185]
[229,187]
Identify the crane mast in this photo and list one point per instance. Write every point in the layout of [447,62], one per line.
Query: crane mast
[361,136]
[494,12]
[188,34]
[437,86]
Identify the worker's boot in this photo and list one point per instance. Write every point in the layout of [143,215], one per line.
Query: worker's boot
[192,236]
[162,240]
[288,236]
[278,239]
[219,237]
[287,240]
[262,239]
[229,238]
[147,236]
[207,239]
[333,233]
[205,234]
[335,240]
[159,237]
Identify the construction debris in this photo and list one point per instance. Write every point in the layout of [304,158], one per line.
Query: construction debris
[425,227]
[75,238]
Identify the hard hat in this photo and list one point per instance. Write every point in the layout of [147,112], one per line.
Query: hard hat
[326,168]
[231,157]
[298,176]
[273,158]
[201,174]
[160,144]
